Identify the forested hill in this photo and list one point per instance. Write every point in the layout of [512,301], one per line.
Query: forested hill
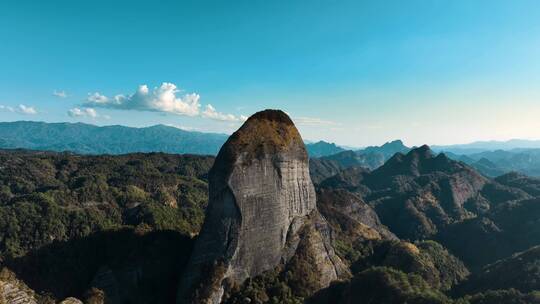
[422,228]
[89,139]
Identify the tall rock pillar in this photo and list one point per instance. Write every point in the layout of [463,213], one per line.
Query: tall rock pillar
[260,196]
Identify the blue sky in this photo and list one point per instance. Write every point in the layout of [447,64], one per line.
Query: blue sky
[351,72]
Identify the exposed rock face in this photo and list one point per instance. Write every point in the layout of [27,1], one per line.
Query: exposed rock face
[71,300]
[14,291]
[261,196]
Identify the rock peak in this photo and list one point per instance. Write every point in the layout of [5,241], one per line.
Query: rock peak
[264,133]
[271,115]
[419,161]
[397,142]
[423,150]
[260,197]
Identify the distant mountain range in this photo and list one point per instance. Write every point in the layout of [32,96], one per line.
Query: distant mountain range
[482,146]
[370,157]
[322,148]
[90,139]
[491,158]
[512,156]
[498,162]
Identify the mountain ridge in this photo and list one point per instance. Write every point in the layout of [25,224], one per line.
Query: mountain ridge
[323,148]
[115,139]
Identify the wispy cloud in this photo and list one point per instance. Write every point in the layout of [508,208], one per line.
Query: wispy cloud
[60,94]
[82,112]
[212,113]
[7,108]
[21,109]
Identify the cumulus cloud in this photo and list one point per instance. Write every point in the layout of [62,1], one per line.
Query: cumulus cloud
[82,112]
[21,109]
[60,94]
[164,98]
[212,113]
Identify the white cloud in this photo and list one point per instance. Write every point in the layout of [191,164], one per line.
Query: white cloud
[26,110]
[84,112]
[161,99]
[7,108]
[60,94]
[21,109]
[210,112]
[97,98]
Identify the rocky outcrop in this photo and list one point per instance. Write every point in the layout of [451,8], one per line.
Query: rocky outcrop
[71,300]
[13,290]
[260,198]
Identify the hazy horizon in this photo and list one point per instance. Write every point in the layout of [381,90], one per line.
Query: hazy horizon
[308,140]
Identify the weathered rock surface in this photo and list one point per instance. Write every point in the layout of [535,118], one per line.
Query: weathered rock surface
[71,300]
[260,197]
[13,290]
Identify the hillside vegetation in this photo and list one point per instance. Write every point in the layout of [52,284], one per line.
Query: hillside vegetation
[422,228]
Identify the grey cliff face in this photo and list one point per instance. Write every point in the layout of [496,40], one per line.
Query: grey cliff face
[270,194]
[260,197]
